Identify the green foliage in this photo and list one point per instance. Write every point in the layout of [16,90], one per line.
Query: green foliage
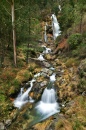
[26,75]
[77,125]
[15,83]
[67,18]
[58,39]
[55,8]
[2,98]
[80,51]
[74,40]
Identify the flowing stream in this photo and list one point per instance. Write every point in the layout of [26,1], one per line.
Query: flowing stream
[23,97]
[48,104]
[55,27]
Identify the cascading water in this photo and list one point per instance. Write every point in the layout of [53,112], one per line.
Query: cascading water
[23,97]
[47,50]
[41,58]
[45,35]
[48,104]
[52,77]
[55,27]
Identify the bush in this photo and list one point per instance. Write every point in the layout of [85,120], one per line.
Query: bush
[74,40]
[80,51]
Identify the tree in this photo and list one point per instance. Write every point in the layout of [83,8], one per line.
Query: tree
[13,29]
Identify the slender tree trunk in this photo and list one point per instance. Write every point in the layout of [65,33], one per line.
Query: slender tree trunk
[14,33]
[27,54]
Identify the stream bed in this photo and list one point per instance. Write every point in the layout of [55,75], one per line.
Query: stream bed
[31,111]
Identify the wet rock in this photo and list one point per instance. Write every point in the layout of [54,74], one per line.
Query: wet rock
[47,71]
[46,64]
[44,74]
[43,83]
[2,127]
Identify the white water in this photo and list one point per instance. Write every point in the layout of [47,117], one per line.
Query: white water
[45,35]
[23,98]
[55,27]
[48,105]
[52,77]
[60,7]
[47,50]
[41,58]
[37,75]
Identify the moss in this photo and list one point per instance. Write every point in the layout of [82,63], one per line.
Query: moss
[2,98]
[77,125]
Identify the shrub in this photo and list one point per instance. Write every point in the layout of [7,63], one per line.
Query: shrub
[74,40]
[80,51]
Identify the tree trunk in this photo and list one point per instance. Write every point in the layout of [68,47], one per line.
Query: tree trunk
[14,33]
[27,53]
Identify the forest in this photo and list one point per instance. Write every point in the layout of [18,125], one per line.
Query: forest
[26,34]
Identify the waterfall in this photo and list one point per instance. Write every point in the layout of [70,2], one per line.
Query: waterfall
[48,105]
[55,27]
[45,35]
[52,77]
[41,58]
[23,98]
[48,96]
